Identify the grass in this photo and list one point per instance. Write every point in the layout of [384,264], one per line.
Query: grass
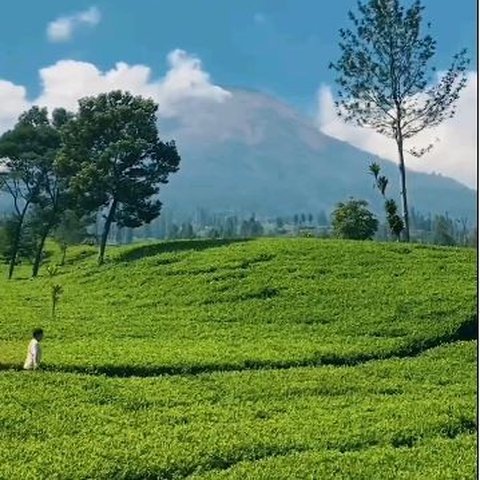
[274,358]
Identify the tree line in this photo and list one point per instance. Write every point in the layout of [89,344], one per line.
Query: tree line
[438,229]
[62,170]
[353,220]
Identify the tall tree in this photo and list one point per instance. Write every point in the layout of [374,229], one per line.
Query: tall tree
[173,230]
[116,161]
[54,196]
[27,155]
[322,219]
[230,229]
[251,228]
[386,81]
[463,233]
[443,231]
[186,231]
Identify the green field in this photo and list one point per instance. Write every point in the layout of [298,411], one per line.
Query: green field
[270,359]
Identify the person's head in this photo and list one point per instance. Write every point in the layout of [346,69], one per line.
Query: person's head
[38,334]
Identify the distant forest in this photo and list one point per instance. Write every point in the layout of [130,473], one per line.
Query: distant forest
[171,225]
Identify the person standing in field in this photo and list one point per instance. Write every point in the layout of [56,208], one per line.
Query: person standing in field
[34,354]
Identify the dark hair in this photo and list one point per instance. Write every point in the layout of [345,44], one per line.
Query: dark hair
[37,331]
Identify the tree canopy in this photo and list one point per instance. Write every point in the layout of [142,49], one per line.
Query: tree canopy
[353,220]
[115,160]
[27,157]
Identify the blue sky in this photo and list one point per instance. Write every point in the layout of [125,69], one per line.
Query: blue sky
[183,51]
[278,46]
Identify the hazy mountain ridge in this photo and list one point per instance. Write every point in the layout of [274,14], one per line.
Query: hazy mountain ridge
[253,153]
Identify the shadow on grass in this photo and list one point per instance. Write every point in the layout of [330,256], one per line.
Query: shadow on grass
[466,332]
[83,254]
[153,249]
[143,371]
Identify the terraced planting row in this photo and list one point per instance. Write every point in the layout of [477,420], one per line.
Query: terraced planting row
[386,415]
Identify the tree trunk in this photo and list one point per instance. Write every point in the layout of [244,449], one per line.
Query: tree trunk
[16,242]
[403,189]
[38,253]
[13,257]
[64,254]
[106,230]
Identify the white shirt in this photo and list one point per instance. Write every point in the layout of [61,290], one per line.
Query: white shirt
[34,355]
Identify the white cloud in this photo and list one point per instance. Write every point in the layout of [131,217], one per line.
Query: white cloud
[187,94]
[91,16]
[13,100]
[67,80]
[63,28]
[454,155]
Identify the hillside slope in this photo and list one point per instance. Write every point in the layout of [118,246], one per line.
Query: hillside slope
[273,358]
[228,304]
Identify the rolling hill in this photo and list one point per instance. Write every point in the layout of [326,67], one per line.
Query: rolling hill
[272,358]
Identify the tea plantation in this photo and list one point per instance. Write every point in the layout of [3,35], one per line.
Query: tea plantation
[264,359]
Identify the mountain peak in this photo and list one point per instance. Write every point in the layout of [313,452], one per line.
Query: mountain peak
[251,152]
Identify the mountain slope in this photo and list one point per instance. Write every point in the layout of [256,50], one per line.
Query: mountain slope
[252,153]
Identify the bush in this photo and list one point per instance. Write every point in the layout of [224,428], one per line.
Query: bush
[354,221]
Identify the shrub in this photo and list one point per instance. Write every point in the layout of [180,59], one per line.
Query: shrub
[354,221]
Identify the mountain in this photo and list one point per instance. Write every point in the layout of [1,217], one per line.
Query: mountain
[252,153]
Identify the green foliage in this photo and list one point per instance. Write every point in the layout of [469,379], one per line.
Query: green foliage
[215,289]
[115,160]
[25,248]
[28,154]
[381,182]
[271,358]
[251,228]
[443,231]
[52,270]
[354,221]
[72,229]
[56,291]
[391,419]
[395,222]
